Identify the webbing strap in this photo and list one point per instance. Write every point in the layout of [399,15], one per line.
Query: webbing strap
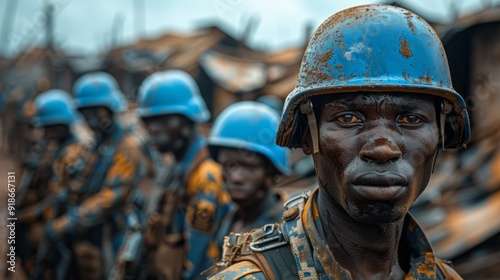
[306,108]
[281,262]
[106,159]
[446,108]
[300,247]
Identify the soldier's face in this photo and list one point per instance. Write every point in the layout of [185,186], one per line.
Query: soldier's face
[376,153]
[57,132]
[99,119]
[244,175]
[170,133]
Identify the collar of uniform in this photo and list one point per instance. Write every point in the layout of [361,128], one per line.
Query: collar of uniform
[269,216]
[71,140]
[422,259]
[117,135]
[321,250]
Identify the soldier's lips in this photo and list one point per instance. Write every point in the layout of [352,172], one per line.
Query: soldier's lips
[383,186]
[237,192]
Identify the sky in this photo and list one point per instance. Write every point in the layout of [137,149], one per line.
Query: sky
[86,27]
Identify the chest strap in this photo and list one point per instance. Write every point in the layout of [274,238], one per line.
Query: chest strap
[299,243]
[283,250]
[270,247]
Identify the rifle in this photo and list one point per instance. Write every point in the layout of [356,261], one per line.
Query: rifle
[164,200]
[129,256]
[167,185]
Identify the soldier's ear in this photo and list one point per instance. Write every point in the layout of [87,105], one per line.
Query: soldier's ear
[306,141]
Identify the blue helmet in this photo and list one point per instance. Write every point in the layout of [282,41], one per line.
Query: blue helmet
[98,89]
[251,126]
[172,92]
[376,49]
[121,104]
[54,107]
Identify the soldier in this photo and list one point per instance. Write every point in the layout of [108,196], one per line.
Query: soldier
[100,196]
[192,201]
[242,142]
[42,178]
[373,104]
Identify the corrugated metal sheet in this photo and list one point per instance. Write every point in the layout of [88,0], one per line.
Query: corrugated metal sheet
[234,74]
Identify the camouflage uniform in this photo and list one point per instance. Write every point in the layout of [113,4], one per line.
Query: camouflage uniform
[100,202]
[37,208]
[295,249]
[204,203]
[271,215]
[183,222]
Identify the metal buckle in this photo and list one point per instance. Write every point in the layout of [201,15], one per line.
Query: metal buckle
[295,200]
[268,230]
[234,239]
[306,107]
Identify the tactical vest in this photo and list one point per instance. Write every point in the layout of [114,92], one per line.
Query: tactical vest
[275,248]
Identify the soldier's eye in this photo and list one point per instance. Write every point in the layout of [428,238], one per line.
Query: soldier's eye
[348,118]
[230,166]
[410,119]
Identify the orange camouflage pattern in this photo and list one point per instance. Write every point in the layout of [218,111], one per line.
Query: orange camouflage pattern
[122,176]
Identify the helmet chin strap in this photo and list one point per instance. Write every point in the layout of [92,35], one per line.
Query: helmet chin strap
[446,108]
[306,108]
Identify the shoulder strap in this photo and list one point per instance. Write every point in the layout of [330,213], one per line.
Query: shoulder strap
[298,241]
[237,271]
[283,250]
[103,164]
[275,254]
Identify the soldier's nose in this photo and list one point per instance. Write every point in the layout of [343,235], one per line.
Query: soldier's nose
[381,150]
[236,176]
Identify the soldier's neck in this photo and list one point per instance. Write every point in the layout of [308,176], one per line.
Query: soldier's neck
[59,141]
[368,251]
[247,214]
[181,152]
[105,135]
[107,139]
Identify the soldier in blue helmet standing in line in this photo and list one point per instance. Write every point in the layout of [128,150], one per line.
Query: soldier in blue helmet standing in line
[373,104]
[191,202]
[242,142]
[100,196]
[44,178]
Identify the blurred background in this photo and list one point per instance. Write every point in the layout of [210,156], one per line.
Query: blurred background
[241,50]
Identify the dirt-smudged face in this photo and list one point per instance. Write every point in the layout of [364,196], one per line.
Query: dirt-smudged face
[376,153]
[56,132]
[245,175]
[170,133]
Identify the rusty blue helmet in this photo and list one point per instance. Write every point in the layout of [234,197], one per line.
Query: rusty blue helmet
[375,49]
